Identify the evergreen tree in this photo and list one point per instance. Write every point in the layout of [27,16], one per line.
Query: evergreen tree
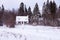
[58,12]
[26,12]
[46,10]
[21,10]
[36,9]
[1,15]
[43,10]
[2,7]
[59,7]
[30,14]
[53,8]
[36,13]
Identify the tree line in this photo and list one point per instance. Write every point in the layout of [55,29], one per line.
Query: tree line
[50,15]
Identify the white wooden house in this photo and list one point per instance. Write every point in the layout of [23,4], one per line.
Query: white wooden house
[21,19]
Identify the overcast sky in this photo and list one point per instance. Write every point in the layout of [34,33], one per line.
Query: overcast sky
[9,4]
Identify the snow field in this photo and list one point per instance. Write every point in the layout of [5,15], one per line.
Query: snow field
[29,32]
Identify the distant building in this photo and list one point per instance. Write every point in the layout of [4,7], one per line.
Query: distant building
[21,19]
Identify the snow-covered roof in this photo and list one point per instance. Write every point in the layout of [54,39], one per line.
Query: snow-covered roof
[21,18]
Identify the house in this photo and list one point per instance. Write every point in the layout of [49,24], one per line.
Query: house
[21,19]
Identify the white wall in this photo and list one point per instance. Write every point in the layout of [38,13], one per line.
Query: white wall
[21,19]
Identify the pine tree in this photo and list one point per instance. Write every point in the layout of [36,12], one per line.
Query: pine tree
[36,13]
[26,12]
[30,14]
[21,9]
[49,13]
[58,15]
[53,8]
[1,15]
[43,10]
[2,7]
[36,9]
[58,12]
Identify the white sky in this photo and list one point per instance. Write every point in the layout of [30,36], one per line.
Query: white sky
[9,4]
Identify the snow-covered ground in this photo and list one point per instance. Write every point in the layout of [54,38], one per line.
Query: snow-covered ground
[29,32]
